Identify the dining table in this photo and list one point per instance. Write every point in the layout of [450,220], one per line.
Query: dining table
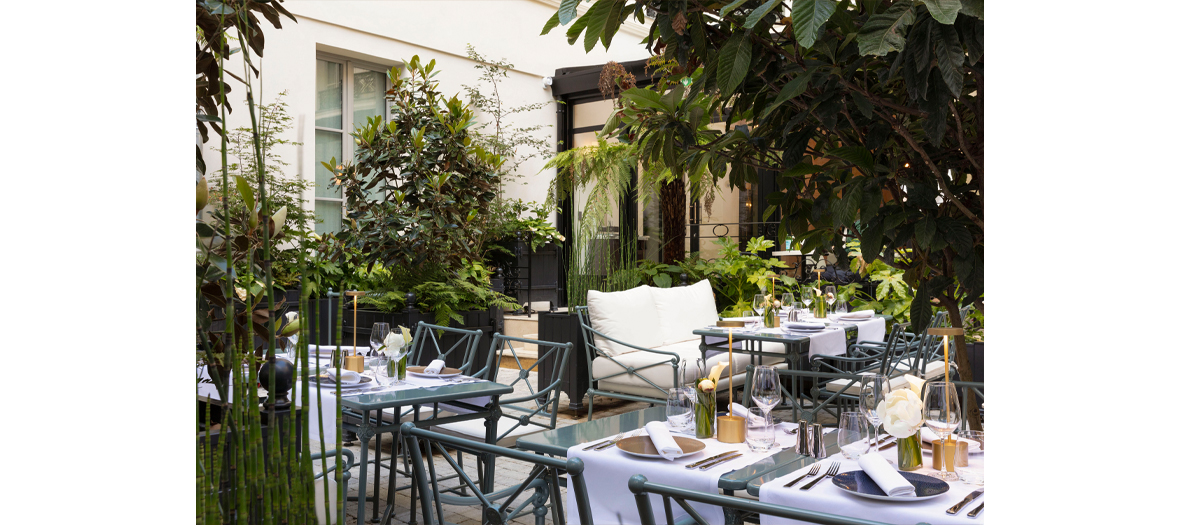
[832,340]
[365,415]
[733,476]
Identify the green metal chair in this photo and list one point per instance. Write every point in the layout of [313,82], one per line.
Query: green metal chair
[591,336]
[501,506]
[644,489]
[430,336]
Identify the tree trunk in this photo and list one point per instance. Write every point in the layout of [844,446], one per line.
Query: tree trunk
[673,225]
[970,405]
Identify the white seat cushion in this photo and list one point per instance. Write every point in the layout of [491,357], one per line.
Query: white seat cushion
[682,310]
[836,384]
[474,429]
[689,352]
[933,369]
[628,316]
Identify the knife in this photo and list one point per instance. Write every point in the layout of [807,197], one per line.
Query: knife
[720,461]
[706,460]
[959,506]
[975,512]
[887,445]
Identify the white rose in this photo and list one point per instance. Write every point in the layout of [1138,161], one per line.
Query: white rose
[394,341]
[291,316]
[901,413]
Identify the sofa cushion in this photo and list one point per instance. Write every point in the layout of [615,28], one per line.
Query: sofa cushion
[682,310]
[628,316]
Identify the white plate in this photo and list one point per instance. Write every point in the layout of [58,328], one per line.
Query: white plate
[858,482]
[324,381]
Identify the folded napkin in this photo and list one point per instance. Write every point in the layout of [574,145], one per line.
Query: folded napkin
[435,367]
[742,411]
[806,326]
[662,439]
[929,436]
[347,377]
[860,314]
[885,476]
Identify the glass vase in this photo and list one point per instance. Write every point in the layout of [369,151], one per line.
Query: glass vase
[770,318]
[820,310]
[909,453]
[401,368]
[705,413]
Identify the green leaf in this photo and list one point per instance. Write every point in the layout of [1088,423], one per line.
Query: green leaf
[859,156]
[760,12]
[733,63]
[662,280]
[612,23]
[950,57]
[567,11]
[945,11]
[245,191]
[883,32]
[791,90]
[808,17]
[803,169]
[972,8]
[920,311]
[732,5]
[647,98]
[958,236]
[595,20]
[863,104]
[845,208]
[924,231]
[571,35]
[552,23]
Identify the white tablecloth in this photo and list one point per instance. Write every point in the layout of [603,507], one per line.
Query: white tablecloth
[327,402]
[870,330]
[607,472]
[826,497]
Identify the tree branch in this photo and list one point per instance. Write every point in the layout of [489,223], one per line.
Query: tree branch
[942,186]
[963,139]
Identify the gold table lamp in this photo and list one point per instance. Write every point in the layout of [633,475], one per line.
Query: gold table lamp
[945,452]
[731,428]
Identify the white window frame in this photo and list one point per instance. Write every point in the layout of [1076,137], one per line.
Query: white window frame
[347,149]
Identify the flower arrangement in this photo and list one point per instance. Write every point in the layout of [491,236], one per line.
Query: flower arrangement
[395,341]
[901,416]
[705,410]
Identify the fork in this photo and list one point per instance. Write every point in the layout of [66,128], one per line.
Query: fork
[814,471]
[615,441]
[832,471]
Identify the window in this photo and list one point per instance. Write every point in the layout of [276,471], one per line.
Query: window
[347,93]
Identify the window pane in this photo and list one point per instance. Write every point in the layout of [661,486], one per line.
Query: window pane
[329,94]
[368,96]
[327,146]
[330,213]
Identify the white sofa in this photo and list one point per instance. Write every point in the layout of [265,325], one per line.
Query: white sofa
[649,326]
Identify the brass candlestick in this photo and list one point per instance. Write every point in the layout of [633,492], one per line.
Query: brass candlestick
[354,362]
[731,428]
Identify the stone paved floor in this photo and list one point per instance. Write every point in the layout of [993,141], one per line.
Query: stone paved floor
[508,472]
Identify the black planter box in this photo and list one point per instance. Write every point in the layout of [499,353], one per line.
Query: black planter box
[975,359]
[564,328]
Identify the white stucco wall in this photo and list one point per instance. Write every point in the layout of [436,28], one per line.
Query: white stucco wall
[388,32]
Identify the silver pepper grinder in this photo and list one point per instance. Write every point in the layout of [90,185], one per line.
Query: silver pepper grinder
[803,440]
[818,450]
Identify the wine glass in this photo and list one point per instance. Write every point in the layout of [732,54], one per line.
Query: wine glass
[873,389]
[807,297]
[941,412]
[830,295]
[759,303]
[766,393]
[788,299]
[377,337]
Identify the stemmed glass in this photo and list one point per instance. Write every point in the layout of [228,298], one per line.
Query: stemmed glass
[941,412]
[788,299]
[759,303]
[766,393]
[807,297]
[377,337]
[873,389]
[830,296]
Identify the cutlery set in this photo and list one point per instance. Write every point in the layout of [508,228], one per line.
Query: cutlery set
[970,497]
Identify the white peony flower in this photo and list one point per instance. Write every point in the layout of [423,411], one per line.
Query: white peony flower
[291,316]
[901,413]
[394,341]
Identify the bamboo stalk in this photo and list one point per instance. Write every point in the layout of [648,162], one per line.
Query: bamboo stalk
[339,411]
[319,405]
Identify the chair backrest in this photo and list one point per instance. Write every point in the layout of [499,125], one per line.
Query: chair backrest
[428,345]
[644,489]
[505,504]
[541,400]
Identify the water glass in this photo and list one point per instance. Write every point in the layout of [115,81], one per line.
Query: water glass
[759,303]
[749,319]
[854,435]
[377,336]
[972,474]
[679,410]
[765,388]
[942,415]
[759,429]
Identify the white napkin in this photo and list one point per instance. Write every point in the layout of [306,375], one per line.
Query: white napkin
[885,476]
[662,439]
[859,314]
[435,367]
[929,436]
[347,377]
[806,326]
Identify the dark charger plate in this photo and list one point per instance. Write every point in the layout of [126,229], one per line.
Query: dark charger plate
[858,482]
